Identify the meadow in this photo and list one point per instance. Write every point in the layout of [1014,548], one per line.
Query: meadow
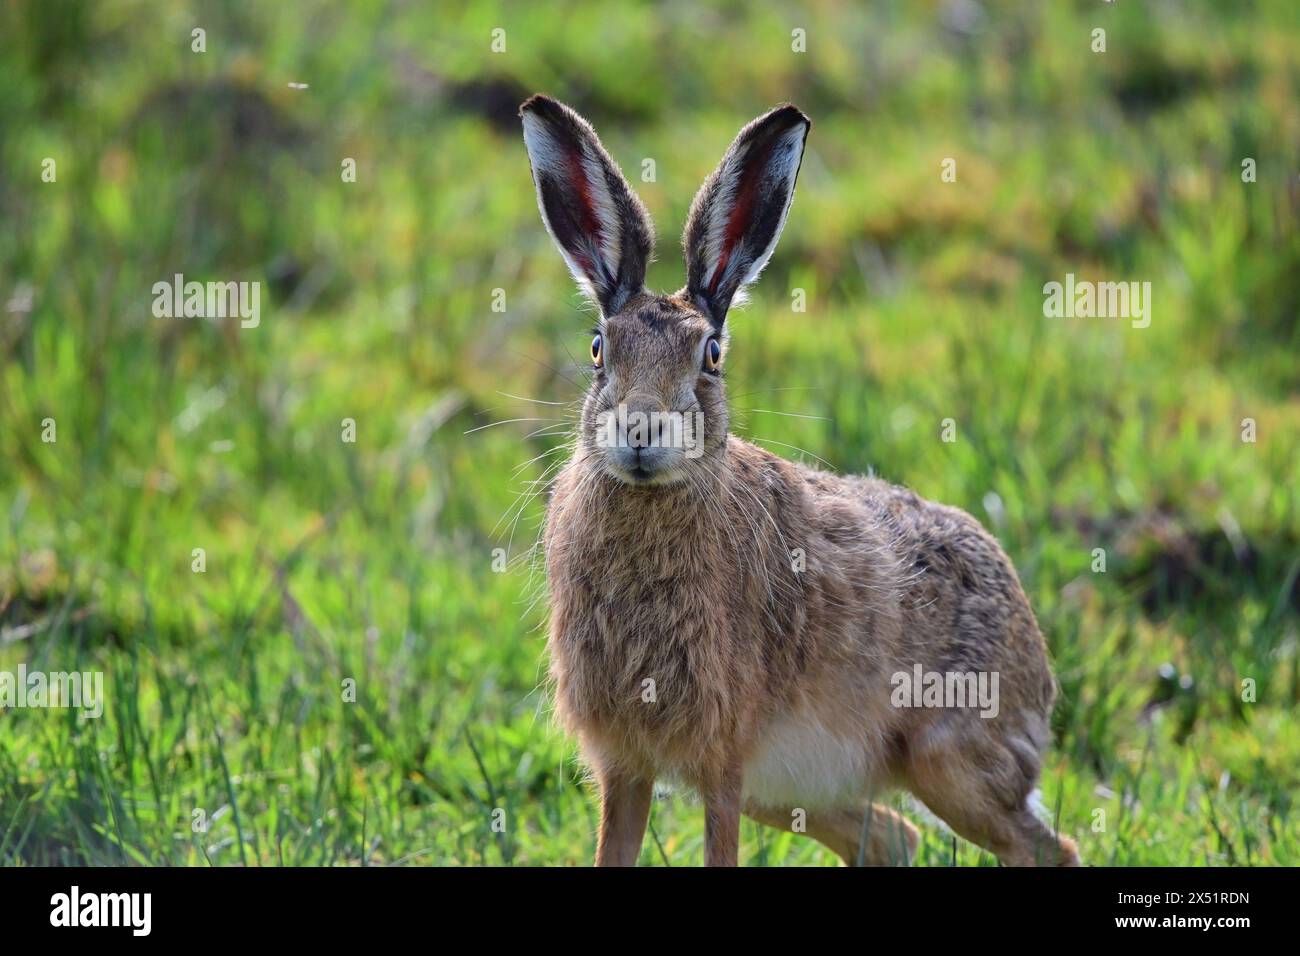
[323,651]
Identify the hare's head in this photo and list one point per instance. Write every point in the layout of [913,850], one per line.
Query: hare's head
[656,409]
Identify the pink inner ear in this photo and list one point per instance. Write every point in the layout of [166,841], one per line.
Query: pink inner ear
[587,211]
[743,208]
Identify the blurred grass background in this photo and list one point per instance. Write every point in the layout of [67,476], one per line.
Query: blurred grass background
[374,561]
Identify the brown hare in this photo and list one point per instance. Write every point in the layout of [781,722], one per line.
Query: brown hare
[741,625]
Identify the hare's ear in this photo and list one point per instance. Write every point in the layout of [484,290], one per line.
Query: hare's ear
[739,212]
[603,231]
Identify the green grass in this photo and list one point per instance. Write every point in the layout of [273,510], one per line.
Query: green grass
[374,561]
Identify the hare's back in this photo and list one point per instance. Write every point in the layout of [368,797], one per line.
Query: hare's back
[961,604]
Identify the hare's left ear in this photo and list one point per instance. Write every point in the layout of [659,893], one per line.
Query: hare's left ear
[739,212]
[603,231]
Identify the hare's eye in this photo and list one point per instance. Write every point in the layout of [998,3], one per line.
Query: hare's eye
[597,352]
[712,354]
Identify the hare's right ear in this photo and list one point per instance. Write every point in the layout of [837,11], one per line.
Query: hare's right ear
[739,212]
[603,231]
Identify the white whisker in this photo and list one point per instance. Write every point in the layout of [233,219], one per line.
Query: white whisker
[508,421]
[796,448]
[769,411]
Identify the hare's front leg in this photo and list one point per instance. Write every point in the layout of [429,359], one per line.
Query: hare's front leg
[722,818]
[624,810]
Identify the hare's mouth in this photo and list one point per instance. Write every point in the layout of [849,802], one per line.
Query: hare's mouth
[636,471]
[640,477]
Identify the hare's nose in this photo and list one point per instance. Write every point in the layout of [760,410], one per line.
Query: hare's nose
[648,427]
[645,418]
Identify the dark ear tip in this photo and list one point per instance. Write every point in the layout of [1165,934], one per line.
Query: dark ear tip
[789,114]
[540,103]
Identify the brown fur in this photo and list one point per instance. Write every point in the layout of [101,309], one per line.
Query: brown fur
[689,581]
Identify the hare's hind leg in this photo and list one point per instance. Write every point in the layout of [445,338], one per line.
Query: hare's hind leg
[979,783]
[891,838]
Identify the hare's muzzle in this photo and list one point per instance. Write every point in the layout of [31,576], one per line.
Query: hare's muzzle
[643,443]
